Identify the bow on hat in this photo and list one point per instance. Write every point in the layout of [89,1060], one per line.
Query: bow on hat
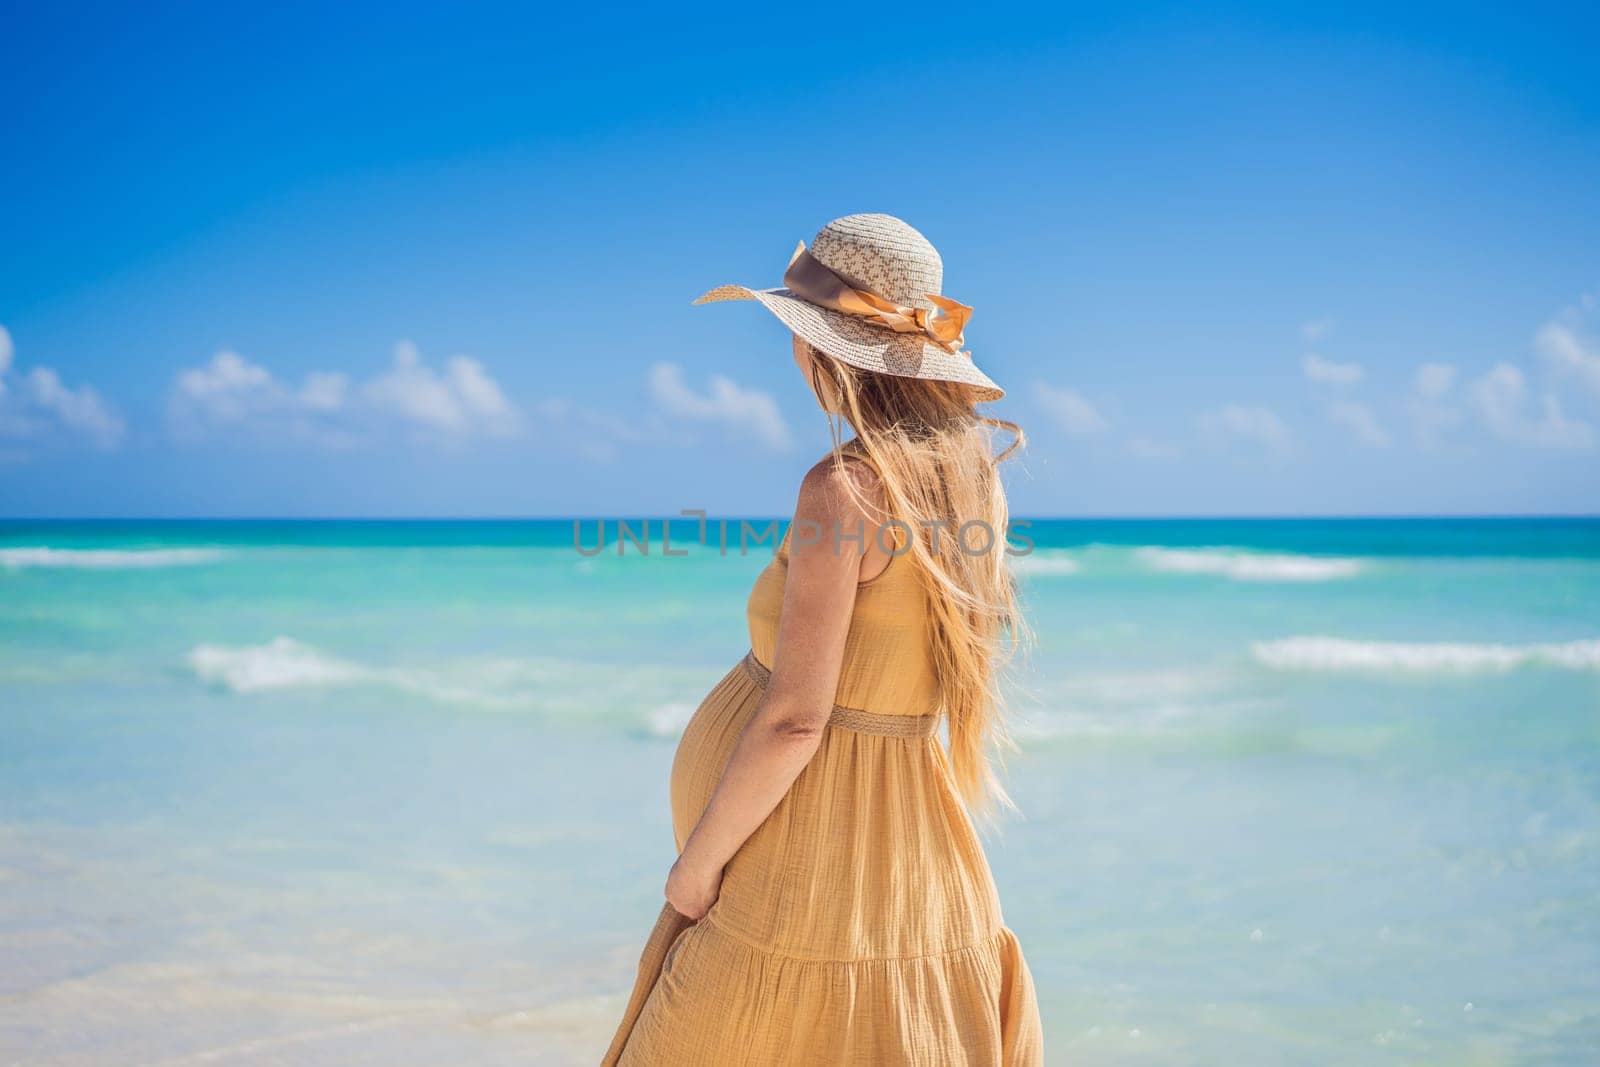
[810,280]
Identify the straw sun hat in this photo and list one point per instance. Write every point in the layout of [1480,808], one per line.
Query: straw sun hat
[867,293]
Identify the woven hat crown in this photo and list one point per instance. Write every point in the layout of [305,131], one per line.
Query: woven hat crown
[883,255]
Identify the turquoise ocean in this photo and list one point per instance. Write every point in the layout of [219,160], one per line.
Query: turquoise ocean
[1291,792]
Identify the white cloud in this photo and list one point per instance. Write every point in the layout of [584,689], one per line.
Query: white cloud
[228,389]
[747,410]
[1071,411]
[1357,418]
[1361,422]
[1326,372]
[1254,425]
[461,401]
[1568,349]
[231,394]
[324,391]
[1434,380]
[1511,413]
[479,393]
[40,400]
[78,409]
[7,351]
[1434,408]
[1511,408]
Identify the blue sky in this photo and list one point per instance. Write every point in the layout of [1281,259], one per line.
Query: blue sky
[405,261]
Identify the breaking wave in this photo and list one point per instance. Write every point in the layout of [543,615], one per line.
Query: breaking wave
[284,663]
[107,559]
[550,687]
[1250,566]
[1339,654]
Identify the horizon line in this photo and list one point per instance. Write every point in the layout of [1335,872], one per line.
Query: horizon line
[1180,517]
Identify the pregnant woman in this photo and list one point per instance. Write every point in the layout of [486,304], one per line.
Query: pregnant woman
[831,902]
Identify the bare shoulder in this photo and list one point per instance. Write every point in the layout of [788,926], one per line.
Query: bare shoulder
[845,489]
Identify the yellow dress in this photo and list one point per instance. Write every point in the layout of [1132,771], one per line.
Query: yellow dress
[860,923]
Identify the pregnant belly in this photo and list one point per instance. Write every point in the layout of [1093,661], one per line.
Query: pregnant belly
[706,745]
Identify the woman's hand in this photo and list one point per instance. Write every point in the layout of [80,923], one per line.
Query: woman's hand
[786,727]
[692,890]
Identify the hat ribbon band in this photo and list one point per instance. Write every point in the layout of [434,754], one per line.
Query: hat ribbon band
[812,281]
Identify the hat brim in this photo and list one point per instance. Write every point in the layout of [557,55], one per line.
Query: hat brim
[861,344]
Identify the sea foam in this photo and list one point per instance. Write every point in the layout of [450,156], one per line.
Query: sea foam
[1339,654]
[669,720]
[1249,566]
[107,559]
[1146,705]
[282,663]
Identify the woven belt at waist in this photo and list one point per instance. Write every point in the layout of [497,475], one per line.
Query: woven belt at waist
[866,722]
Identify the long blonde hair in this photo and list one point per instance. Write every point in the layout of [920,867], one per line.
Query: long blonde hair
[934,455]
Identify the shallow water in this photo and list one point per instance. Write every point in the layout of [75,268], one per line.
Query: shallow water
[1292,792]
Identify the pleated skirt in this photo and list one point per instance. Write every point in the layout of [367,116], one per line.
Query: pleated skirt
[859,924]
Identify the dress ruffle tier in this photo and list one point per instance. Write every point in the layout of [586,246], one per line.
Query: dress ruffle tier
[859,924]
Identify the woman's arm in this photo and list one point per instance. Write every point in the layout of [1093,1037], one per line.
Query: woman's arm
[785,728]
